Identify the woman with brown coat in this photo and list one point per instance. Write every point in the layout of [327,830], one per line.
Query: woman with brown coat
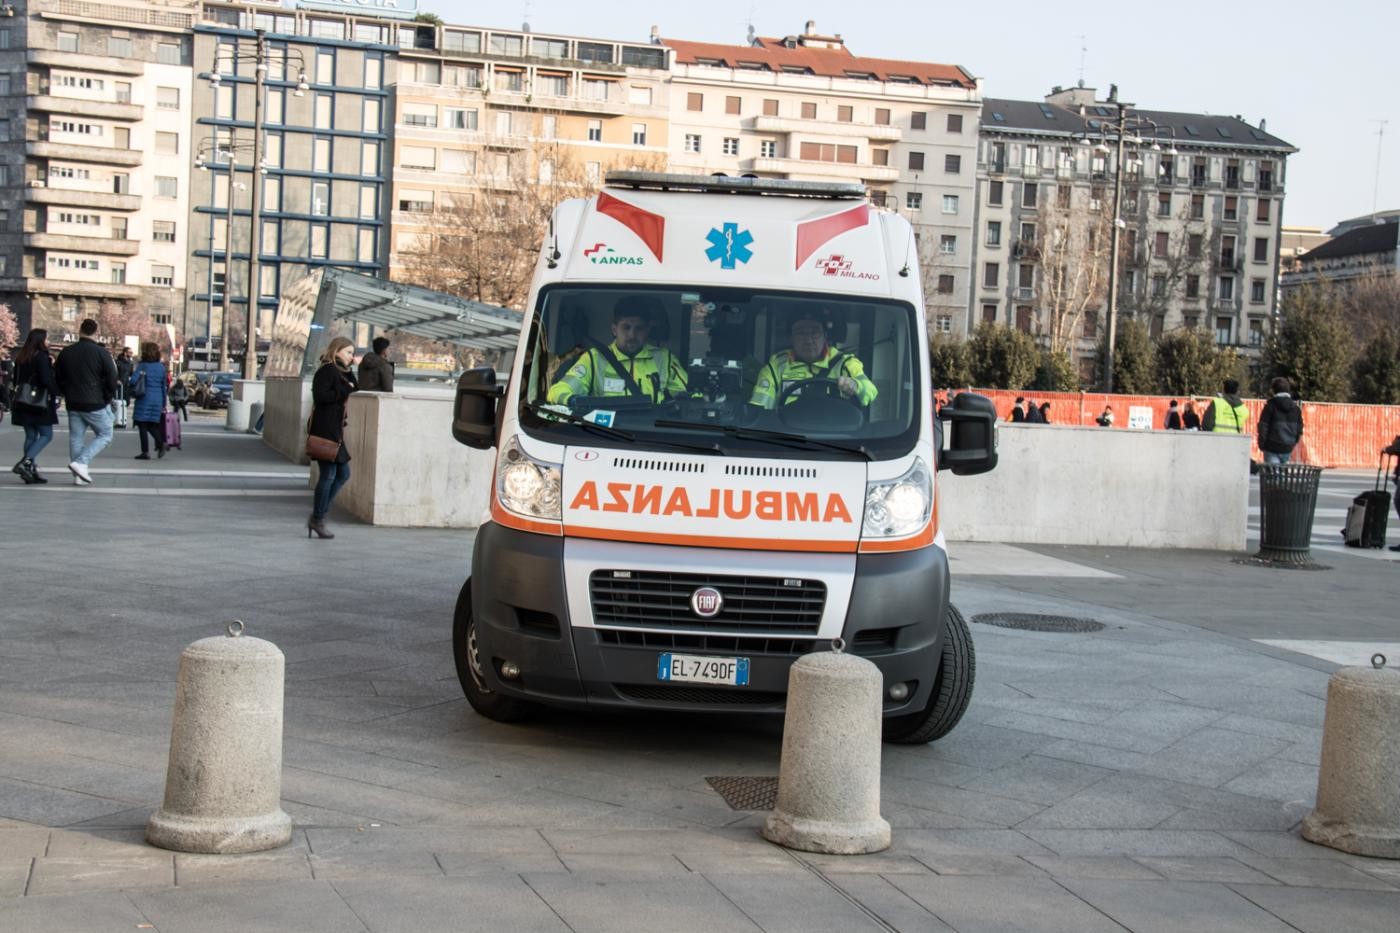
[330,388]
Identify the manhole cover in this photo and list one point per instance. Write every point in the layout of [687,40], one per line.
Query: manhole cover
[1031,622]
[746,793]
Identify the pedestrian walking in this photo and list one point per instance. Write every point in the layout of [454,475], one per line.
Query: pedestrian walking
[180,397]
[1280,424]
[34,382]
[87,379]
[330,388]
[1019,412]
[1032,412]
[1105,418]
[125,366]
[1173,422]
[147,384]
[1190,419]
[1044,412]
[1226,414]
[376,372]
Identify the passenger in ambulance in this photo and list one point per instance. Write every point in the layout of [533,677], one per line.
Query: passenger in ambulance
[630,366]
[811,356]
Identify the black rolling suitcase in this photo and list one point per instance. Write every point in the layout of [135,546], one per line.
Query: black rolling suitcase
[1369,512]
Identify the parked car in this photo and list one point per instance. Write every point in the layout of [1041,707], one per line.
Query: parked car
[213,390]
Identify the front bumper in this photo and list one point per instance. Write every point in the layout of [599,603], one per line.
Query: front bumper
[521,607]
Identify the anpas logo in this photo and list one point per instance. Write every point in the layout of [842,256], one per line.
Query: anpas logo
[736,504]
[729,245]
[601,254]
[843,268]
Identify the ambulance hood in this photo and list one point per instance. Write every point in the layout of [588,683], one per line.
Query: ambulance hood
[625,235]
[713,501]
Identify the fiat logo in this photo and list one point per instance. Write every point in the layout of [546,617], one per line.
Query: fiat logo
[586,455]
[706,602]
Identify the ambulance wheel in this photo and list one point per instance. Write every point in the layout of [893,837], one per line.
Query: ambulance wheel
[952,689]
[465,652]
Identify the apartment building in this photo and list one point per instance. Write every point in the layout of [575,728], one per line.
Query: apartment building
[94,140]
[1201,212]
[1359,253]
[326,115]
[806,107]
[484,113]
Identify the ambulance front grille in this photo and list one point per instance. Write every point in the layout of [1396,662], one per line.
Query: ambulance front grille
[659,599]
[738,469]
[659,466]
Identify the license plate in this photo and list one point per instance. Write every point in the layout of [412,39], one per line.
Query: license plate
[694,669]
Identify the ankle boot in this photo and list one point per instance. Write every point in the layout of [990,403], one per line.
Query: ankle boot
[34,476]
[25,470]
[318,525]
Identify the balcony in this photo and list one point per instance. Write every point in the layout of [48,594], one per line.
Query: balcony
[80,62]
[69,243]
[1025,249]
[613,106]
[876,131]
[70,197]
[75,288]
[997,166]
[845,171]
[102,109]
[75,152]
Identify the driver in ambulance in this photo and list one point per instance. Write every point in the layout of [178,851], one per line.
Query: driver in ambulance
[812,356]
[646,370]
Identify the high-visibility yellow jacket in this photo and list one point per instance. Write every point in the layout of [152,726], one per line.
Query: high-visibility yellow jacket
[783,369]
[656,371]
[1229,419]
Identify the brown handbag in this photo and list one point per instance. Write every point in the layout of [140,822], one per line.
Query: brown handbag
[320,448]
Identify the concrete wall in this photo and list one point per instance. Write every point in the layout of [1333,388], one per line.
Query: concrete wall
[406,470]
[1101,486]
[287,405]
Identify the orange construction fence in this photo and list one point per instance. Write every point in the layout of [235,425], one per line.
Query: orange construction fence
[1334,435]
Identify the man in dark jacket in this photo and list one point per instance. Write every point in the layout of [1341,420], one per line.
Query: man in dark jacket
[1280,424]
[87,377]
[377,373]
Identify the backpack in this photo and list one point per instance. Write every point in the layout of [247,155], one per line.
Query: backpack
[139,389]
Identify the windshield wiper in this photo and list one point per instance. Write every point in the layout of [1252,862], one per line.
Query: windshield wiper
[544,413]
[780,438]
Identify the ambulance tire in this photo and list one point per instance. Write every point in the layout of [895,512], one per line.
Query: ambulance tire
[952,689]
[482,698]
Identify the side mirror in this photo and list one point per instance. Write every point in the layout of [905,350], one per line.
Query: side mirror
[474,409]
[972,435]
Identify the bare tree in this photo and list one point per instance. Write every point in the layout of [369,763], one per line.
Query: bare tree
[485,242]
[116,320]
[1167,269]
[1371,305]
[1071,256]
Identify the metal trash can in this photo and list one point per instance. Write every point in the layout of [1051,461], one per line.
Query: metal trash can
[1287,498]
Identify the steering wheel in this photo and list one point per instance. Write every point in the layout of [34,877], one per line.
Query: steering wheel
[829,387]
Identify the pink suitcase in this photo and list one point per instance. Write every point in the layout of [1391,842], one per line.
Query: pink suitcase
[172,429]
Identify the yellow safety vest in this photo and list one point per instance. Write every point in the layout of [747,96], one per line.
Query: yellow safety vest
[781,370]
[656,371]
[1239,414]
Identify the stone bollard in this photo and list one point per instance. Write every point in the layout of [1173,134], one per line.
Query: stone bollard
[237,417]
[1358,782]
[223,789]
[829,779]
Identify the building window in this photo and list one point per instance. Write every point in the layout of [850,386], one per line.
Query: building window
[1256,291]
[730,146]
[882,116]
[991,275]
[324,109]
[1227,288]
[1261,249]
[1164,204]
[943,324]
[162,275]
[558,86]
[167,187]
[732,104]
[768,148]
[321,154]
[1193,286]
[1159,286]
[118,47]
[879,157]
[1029,192]
[994,193]
[595,89]
[1063,193]
[374,72]
[916,161]
[952,164]
[167,98]
[695,101]
[267,281]
[1160,243]
[639,134]
[1223,327]
[418,157]
[1227,251]
[506,45]
[321,198]
[845,113]
[370,120]
[1232,208]
[271,243]
[506,79]
[827,152]
[168,143]
[955,122]
[272,194]
[457,118]
[549,126]
[67,41]
[595,131]
[914,200]
[1261,211]
[367,245]
[809,110]
[118,273]
[692,142]
[320,241]
[770,107]
[948,244]
[993,233]
[1193,245]
[369,158]
[369,202]
[325,66]
[163,231]
[918,120]
[1023,318]
[1198,207]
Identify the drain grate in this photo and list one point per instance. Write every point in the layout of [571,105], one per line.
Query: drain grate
[746,793]
[1031,622]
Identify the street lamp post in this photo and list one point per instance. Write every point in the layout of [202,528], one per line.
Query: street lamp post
[1125,127]
[258,57]
[215,151]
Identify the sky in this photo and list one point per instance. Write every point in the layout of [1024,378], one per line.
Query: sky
[1320,73]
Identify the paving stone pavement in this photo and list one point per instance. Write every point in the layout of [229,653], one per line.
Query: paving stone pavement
[1149,777]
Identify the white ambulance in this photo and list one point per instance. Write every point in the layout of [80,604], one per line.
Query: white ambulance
[716,452]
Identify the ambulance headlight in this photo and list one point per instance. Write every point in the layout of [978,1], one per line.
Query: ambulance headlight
[894,508]
[527,486]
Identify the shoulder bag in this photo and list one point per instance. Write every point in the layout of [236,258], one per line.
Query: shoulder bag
[139,389]
[320,448]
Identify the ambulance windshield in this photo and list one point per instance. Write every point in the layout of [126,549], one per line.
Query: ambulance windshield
[743,371]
